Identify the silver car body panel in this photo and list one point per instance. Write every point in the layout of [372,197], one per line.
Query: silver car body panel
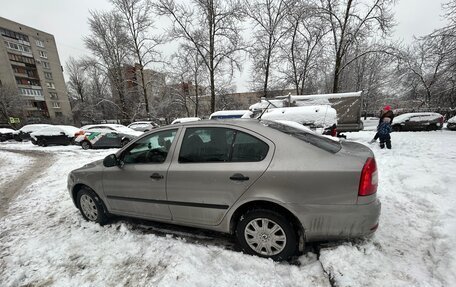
[318,187]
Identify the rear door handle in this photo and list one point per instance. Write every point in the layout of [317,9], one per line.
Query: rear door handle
[156,176]
[239,177]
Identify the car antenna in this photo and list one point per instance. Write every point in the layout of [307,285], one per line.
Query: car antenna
[267,107]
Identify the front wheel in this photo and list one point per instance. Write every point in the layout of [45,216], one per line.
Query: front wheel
[267,233]
[86,145]
[91,206]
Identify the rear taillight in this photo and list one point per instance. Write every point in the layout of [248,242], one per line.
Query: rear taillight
[369,178]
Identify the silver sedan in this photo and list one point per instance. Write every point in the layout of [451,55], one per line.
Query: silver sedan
[274,185]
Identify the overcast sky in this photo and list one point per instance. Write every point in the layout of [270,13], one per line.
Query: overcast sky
[67,21]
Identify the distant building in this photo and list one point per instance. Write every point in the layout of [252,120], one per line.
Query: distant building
[29,61]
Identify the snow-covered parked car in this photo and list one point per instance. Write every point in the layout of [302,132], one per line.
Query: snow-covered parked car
[105,136]
[185,120]
[6,134]
[273,185]
[23,133]
[418,122]
[143,126]
[54,135]
[451,124]
[229,114]
[322,116]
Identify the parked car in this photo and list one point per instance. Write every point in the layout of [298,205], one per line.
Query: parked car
[6,134]
[143,126]
[185,120]
[23,133]
[418,122]
[55,135]
[272,184]
[451,123]
[105,136]
[230,114]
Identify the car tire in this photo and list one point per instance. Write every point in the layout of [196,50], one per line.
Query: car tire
[124,142]
[86,145]
[279,241]
[43,143]
[91,206]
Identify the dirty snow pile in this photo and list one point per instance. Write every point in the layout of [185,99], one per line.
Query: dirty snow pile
[45,242]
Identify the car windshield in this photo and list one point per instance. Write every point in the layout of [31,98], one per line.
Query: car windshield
[305,135]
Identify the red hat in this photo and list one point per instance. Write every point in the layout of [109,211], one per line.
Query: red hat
[387,108]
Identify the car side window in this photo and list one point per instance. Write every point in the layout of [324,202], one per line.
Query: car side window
[153,148]
[205,145]
[247,148]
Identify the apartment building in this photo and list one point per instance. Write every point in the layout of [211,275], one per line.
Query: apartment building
[29,62]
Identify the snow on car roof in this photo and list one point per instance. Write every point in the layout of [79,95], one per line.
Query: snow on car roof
[229,112]
[452,120]
[33,127]
[184,120]
[56,130]
[323,96]
[6,131]
[406,116]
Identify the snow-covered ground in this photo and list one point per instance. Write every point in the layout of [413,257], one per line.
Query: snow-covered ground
[11,165]
[45,242]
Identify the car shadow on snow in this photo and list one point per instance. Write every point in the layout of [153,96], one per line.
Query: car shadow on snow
[201,237]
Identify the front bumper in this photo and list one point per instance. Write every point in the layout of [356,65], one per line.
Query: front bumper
[333,222]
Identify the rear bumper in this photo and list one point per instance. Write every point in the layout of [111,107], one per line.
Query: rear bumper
[333,222]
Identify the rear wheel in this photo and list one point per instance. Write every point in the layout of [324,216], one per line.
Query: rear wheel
[267,233]
[91,206]
[86,145]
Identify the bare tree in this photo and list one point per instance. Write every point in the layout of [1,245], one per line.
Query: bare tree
[303,50]
[109,44]
[11,104]
[136,16]
[351,22]
[269,20]
[188,66]
[76,77]
[212,27]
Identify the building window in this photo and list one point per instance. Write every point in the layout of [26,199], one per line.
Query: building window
[30,92]
[29,82]
[48,75]
[21,59]
[17,47]
[46,65]
[50,85]
[14,35]
[56,105]
[43,54]
[58,114]
[39,43]
[53,95]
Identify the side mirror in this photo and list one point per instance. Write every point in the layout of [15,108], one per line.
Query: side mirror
[110,161]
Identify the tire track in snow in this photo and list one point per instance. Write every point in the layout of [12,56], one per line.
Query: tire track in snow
[40,162]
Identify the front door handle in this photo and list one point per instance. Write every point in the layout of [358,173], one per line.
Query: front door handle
[156,176]
[239,177]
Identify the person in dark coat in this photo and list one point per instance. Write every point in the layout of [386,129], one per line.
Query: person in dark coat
[383,131]
[385,113]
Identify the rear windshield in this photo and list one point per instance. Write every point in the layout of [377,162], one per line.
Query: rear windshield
[307,136]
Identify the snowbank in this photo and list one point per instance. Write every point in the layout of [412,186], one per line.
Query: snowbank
[315,116]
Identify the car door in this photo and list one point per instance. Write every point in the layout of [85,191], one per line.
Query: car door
[211,169]
[137,187]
